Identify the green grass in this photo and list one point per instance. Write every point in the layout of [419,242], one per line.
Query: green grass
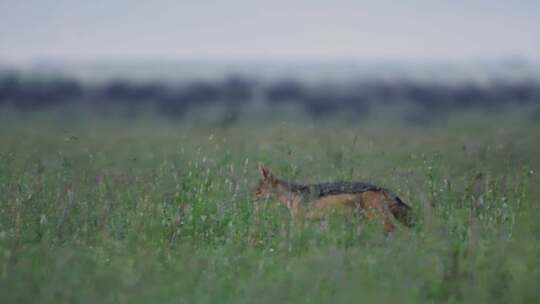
[154,212]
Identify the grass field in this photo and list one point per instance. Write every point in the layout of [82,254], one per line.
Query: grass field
[149,211]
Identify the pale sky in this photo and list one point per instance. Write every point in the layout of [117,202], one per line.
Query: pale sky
[278,29]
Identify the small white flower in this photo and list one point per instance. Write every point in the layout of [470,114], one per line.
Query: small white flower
[43,219]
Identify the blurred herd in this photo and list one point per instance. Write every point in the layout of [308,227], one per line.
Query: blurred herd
[318,98]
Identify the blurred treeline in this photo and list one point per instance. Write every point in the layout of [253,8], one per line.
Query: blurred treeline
[319,99]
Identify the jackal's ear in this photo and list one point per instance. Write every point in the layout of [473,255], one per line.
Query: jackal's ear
[265,172]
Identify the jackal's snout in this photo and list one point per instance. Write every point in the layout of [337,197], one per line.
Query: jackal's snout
[259,194]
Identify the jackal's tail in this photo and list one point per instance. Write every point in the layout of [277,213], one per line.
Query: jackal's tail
[401,211]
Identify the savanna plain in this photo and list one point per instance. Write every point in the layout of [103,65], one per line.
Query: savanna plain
[147,210]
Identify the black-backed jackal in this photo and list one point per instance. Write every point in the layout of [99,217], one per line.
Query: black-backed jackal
[316,200]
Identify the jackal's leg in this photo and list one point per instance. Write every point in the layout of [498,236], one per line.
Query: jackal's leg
[367,209]
[375,206]
[387,214]
[297,214]
[388,225]
[359,216]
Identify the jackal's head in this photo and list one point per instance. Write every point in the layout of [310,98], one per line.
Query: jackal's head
[268,185]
